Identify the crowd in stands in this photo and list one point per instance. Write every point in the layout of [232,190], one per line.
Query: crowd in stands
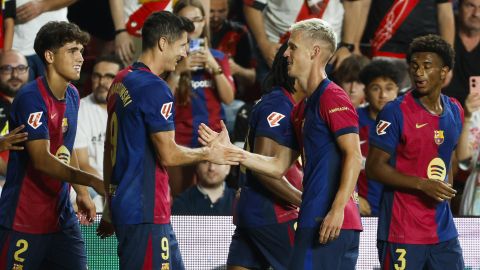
[232,50]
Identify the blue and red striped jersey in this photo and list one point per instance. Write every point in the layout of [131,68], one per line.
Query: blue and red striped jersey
[369,189]
[33,202]
[257,206]
[420,144]
[139,104]
[204,106]
[328,115]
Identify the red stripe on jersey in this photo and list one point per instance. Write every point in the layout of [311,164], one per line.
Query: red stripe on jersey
[291,235]
[386,261]
[161,210]
[38,187]
[4,254]
[283,211]
[148,259]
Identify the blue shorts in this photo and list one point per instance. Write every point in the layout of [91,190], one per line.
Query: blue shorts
[60,250]
[262,247]
[444,255]
[148,246]
[339,254]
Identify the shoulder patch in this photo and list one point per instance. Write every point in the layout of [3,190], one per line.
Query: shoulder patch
[382,127]
[274,118]
[34,119]
[166,110]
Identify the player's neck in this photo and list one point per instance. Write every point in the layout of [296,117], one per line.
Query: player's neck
[57,84]
[151,61]
[316,76]
[432,103]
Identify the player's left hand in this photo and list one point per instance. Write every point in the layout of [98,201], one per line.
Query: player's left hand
[29,11]
[206,135]
[331,226]
[86,209]
[105,229]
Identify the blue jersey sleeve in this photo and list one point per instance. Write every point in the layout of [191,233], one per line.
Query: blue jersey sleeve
[29,109]
[158,108]
[388,128]
[273,121]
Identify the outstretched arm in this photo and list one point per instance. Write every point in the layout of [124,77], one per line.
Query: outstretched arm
[45,162]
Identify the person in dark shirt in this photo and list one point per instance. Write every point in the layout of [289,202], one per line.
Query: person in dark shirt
[210,197]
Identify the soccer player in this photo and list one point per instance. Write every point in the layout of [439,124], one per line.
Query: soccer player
[38,227]
[381,79]
[329,224]
[411,153]
[267,209]
[140,143]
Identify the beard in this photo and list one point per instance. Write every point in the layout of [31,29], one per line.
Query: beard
[8,90]
[100,98]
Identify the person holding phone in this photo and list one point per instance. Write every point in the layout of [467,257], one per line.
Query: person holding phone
[468,150]
[201,83]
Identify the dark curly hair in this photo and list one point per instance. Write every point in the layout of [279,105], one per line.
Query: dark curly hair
[434,44]
[164,24]
[53,35]
[278,75]
[378,69]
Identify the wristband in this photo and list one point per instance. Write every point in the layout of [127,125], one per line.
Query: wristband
[350,47]
[120,31]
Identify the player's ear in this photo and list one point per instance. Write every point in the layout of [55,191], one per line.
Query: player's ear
[48,56]
[443,72]
[315,51]
[162,43]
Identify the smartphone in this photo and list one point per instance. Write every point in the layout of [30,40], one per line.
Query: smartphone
[197,45]
[475,84]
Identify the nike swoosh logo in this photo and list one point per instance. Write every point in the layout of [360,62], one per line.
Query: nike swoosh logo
[362,142]
[420,125]
[53,116]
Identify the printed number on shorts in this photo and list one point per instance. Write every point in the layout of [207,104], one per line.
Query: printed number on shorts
[22,244]
[113,137]
[402,262]
[165,249]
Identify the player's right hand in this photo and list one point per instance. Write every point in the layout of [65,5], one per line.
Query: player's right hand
[436,189]
[365,209]
[206,135]
[105,229]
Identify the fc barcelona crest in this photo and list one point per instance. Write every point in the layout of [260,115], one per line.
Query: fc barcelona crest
[438,137]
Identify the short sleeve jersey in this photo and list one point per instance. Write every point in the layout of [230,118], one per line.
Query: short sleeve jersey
[33,202]
[269,118]
[420,144]
[139,104]
[328,115]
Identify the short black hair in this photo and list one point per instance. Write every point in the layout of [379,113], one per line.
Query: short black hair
[110,58]
[164,24]
[53,35]
[434,44]
[380,68]
[278,74]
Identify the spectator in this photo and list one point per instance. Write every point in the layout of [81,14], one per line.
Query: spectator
[7,22]
[347,76]
[92,121]
[31,15]
[467,49]
[201,82]
[392,25]
[381,79]
[234,40]
[13,75]
[210,197]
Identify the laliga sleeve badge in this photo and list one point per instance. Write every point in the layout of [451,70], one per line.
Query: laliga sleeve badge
[166,110]
[382,127]
[34,119]
[274,118]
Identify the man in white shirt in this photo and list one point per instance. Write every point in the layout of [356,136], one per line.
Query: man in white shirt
[92,120]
